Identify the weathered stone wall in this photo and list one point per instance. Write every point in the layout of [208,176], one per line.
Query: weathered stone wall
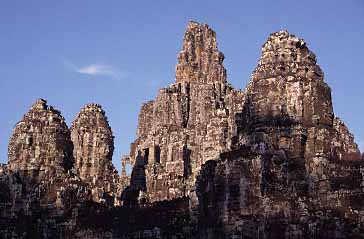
[229,202]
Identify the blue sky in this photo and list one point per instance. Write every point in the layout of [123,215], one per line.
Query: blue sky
[119,53]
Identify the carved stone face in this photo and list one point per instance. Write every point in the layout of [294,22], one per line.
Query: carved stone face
[40,141]
[93,142]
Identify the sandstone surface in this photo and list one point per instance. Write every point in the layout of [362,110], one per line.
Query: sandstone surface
[209,161]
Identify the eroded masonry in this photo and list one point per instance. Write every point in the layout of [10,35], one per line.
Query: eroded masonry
[209,161]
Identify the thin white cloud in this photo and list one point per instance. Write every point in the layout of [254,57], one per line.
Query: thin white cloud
[96,70]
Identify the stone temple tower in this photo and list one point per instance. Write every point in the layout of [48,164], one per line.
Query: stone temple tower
[93,149]
[40,145]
